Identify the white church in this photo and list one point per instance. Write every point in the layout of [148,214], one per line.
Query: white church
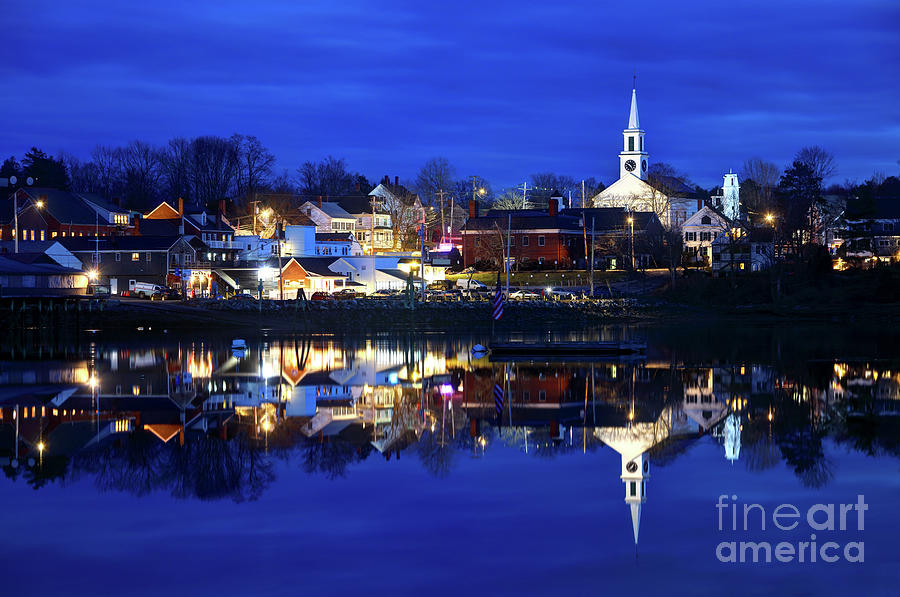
[672,200]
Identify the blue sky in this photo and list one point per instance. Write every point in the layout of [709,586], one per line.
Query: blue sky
[502,89]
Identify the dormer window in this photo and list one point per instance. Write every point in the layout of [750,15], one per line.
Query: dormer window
[705,220]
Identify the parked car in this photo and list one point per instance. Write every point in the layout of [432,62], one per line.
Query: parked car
[523,294]
[242,296]
[441,285]
[321,296]
[561,294]
[385,293]
[346,293]
[169,294]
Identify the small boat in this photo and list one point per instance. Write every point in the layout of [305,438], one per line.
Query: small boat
[238,348]
[577,349]
[479,350]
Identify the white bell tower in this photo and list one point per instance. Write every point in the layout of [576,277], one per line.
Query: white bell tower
[635,472]
[731,196]
[633,159]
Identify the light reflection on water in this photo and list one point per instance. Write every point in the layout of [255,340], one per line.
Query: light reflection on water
[198,420]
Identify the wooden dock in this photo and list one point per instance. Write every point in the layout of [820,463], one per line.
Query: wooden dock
[566,349]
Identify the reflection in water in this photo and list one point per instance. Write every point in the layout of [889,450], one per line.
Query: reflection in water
[200,420]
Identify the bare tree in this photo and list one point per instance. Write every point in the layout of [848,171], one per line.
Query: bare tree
[83,176]
[759,196]
[109,170]
[254,165]
[177,163]
[437,174]
[404,217]
[141,168]
[820,161]
[214,168]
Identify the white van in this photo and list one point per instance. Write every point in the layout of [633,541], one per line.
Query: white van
[467,284]
[144,289]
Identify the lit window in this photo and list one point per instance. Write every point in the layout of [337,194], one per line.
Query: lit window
[135,256]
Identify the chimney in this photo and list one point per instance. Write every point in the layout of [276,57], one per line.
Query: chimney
[473,208]
[396,181]
[137,225]
[180,206]
[553,206]
[699,204]
[221,213]
[320,201]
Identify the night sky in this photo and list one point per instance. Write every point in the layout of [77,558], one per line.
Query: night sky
[501,89]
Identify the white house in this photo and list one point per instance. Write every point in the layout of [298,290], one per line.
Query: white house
[740,250]
[700,230]
[329,216]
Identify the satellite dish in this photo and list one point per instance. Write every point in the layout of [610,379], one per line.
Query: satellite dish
[29,181]
[13,180]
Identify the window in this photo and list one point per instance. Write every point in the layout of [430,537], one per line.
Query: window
[630,143]
[477,242]
[53,234]
[632,489]
[642,149]
[42,235]
[541,241]
[705,236]
[149,254]
[524,241]
[135,256]
[706,220]
[690,236]
[118,255]
[542,396]
[512,241]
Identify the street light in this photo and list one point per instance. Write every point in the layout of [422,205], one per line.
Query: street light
[11,181]
[770,218]
[631,224]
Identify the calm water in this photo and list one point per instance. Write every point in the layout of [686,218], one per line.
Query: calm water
[142,462]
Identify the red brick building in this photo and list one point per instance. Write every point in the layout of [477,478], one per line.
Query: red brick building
[550,238]
[45,214]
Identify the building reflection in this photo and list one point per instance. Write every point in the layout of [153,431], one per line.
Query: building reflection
[198,419]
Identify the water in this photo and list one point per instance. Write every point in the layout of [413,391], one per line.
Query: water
[386,464]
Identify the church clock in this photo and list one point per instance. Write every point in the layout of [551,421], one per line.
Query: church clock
[630,165]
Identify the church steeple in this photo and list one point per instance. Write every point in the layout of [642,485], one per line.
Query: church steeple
[633,121]
[633,160]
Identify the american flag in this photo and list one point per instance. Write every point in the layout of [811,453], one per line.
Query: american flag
[498,399]
[498,301]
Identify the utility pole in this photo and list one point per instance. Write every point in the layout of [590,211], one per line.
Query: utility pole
[525,195]
[592,257]
[508,250]
[440,193]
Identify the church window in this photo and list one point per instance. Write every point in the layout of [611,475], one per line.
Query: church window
[642,147]
[630,143]
[633,489]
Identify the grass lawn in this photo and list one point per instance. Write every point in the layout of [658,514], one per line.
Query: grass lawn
[544,278]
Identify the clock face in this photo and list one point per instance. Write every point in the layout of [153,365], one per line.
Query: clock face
[630,165]
[644,165]
[631,466]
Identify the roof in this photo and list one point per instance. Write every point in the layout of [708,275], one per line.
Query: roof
[87,244]
[397,190]
[633,121]
[102,202]
[155,227]
[212,222]
[63,206]
[16,267]
[612,218]
[317,265]
[672,186]
[522,219]
[332,209]
[359,205]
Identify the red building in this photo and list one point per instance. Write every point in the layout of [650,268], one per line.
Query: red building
[44,214]
[550,238]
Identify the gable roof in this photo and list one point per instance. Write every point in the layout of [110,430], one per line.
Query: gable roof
[317,266]
[166,212]
[706,210]
[331,209]
[62,206]
[102,203]
[360,205]
[672,186]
